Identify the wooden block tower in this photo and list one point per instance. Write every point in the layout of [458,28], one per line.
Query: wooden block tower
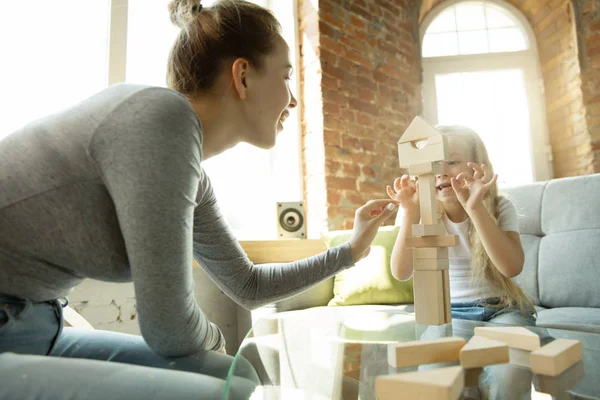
[420,149]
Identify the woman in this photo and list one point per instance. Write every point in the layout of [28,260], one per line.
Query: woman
[113,189]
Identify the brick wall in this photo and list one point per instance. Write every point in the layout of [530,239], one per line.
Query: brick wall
[587,14]
[571,88]
[361,88]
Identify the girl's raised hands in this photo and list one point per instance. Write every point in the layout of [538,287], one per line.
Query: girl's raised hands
[405,192]
[471,188]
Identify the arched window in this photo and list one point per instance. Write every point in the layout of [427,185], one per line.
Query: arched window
[480,69]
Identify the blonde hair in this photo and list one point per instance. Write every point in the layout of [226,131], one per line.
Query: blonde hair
[211,38]
[482,267]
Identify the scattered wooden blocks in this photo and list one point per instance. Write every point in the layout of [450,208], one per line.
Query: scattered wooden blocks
[480,351]
[429,168]
[408,354]
[432,241]
[428,230]
[514,336]
[430,264]
[439,384]
[428,292]
[472,376]
[556,357]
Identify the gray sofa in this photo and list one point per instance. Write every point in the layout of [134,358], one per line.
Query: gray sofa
[560,233]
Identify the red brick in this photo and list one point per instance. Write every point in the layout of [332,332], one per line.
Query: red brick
[351,170]
[369,172]
[333,197]
[357,22]
[359,59]
[332,137]
[368,144]
[365,107]
[364,119]
[331,108]
[341,183]
[330,44]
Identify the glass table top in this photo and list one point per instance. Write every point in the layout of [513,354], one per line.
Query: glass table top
[338,352]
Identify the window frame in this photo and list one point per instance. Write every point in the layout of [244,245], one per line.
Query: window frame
[527,61]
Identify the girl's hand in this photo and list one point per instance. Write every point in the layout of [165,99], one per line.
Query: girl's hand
[405,192]
[470,189]
[367,221]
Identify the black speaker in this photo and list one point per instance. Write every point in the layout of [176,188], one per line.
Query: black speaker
[290,220]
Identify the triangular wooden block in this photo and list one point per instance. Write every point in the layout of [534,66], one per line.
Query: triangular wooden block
[480,351]
[418,129]
[514,336]
[439,384]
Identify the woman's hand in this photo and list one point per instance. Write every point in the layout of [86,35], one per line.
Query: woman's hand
[470,189]
[367,221]
[405,193]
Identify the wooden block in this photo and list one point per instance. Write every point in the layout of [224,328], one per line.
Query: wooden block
[429,230]
[352,360]
[418,352]
[480,351]
[439,384]
[514,336]
[430,252]
[418,129]
[428,199]
[429,168]
[519,357]
[282,250]
[430,264]
[422,151]
[447,302]
[556,356]
[472,376]
[428,297]
[432,241]
[556,385]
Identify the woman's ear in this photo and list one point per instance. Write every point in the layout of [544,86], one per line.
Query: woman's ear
[240,69]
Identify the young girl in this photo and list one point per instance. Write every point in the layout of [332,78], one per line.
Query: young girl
[489,252]
[488,255]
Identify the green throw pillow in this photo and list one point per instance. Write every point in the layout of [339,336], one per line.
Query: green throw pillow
[370,281]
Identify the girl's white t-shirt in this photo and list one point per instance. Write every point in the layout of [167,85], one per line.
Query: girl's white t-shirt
[461,287]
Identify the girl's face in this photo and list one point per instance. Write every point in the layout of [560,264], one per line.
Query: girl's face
[460,155]
[269,97]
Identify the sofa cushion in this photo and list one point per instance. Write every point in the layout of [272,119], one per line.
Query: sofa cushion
[585,319]
[569,269]
[528,278]
[571,204]
[371,280]
[527,200]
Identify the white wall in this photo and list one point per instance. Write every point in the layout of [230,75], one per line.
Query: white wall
[111,306]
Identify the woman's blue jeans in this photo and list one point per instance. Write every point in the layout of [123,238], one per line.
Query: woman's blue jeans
[39,359]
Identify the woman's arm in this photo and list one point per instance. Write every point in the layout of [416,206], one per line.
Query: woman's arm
[148,153]
[220,255]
